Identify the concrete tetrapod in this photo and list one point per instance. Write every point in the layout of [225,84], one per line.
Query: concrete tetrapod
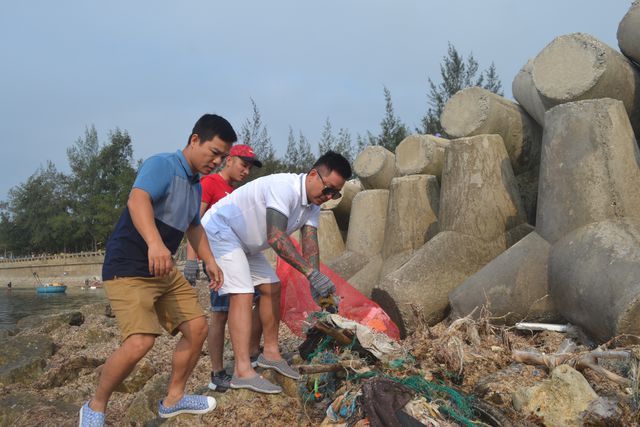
[578,66]
[479,203]
[412,209]
[479,195]
[525,92]
[590,167]
[594,271]
[330,240]
[342,207]
[420,154]
[513,287]
[477,111]
[375,166]
[629,33]
[366,232]
[432,272]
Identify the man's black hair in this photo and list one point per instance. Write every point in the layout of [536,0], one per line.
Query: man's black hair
[211,125]
[333,161]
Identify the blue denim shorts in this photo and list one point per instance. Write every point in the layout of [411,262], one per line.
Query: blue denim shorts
[221,302]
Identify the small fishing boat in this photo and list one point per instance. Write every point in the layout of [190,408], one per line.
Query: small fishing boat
[49,288]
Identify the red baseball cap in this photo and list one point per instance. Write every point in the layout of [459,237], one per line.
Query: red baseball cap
[245,153]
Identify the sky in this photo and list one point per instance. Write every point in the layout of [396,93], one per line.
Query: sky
[153,68]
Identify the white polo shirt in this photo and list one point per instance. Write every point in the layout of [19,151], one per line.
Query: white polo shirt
[245,210]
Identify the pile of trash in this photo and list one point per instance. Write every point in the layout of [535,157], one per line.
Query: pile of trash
[466,372]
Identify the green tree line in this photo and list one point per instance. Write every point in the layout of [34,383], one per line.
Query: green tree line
[55,212]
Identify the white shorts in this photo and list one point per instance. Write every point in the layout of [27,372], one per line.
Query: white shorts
[242,272]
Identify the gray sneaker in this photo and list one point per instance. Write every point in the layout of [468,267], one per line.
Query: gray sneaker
[220,381]
[254,361]
[257,383]
[281,366]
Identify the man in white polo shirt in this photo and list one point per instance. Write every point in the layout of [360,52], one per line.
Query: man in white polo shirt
[258,215]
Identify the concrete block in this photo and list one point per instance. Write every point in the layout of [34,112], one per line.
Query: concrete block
[528,189]
[525,92]
[342,207]
[367,222]
[330,240]
[479,195]
[375,166]
[594,272]
[578,66]
[477,111]
[433,271]
[412,209]
[348,264]
[420,155]
[367,277]
[590,167]
[513,286]
[629,33]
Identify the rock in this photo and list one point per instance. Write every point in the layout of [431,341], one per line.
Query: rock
[15,407]
[513,286]
[23,358]
[629,33]
[48,323]
[589,168]
[98,334]
[602,412]
[498,387]
[558,401]
[77,319]
[476,111]
[375,166]
[595,269]
[68,371]
[144,407]
[420,155]
[143,371]
[578,66]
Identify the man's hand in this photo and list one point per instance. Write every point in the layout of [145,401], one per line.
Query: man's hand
[321,285]
[191,270]
[215,274]
[160,261]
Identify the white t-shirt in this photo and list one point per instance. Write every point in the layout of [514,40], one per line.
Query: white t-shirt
[245,210]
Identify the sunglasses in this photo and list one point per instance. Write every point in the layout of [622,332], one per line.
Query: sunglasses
[328,191]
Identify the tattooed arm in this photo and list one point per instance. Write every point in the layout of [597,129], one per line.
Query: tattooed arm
[310,248]
[282,245]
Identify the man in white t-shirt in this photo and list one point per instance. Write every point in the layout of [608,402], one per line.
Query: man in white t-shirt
[259,215]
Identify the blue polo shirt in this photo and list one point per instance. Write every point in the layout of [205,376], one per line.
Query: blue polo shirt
[175,193]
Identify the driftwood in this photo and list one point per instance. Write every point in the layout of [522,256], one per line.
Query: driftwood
[335,367]
[579,361]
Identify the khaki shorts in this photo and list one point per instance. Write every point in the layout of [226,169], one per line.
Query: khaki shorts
[146,305]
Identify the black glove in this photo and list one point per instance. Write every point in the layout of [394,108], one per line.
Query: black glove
[321,285]
[191,271]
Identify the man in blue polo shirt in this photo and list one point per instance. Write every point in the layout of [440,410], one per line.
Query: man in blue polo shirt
[146,291]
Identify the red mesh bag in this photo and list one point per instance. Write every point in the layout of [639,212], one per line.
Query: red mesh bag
[296,302]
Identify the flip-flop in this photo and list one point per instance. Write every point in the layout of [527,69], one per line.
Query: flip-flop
[257,384]
[281,366]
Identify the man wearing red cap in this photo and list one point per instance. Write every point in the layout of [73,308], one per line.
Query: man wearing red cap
[237,166]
